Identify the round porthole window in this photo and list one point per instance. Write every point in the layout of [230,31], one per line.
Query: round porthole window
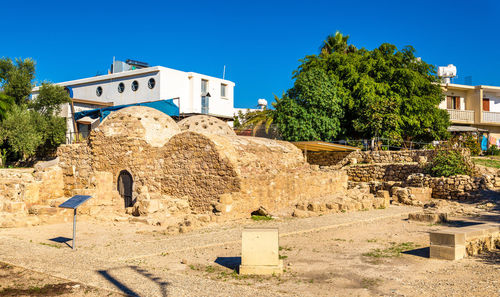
[121,87]
[135,85]
[98,91]
[151,83]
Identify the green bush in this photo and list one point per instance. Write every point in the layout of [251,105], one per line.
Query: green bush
[472,143]
[447,163]
[493,150]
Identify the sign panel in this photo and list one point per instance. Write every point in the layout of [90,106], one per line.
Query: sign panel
[75,201]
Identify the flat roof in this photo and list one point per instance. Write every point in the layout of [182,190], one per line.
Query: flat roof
[321,146]
[91,102]
[128,73]
[467,87]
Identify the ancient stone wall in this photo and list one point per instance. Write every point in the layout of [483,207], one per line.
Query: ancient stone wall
[382,172]
[453,187]
[368,157]
[75,162]
[326,158]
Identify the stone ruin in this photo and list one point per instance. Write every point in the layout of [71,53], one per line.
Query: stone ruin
[140,165]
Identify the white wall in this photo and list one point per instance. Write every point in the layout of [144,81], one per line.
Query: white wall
[494,101]
[217,104]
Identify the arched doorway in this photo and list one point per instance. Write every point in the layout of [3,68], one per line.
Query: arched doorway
[124,185]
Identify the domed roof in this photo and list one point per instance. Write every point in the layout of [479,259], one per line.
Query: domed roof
[142,122]
[206,124]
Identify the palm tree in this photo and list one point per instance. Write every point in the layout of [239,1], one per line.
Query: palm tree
[336,43]
[258,118]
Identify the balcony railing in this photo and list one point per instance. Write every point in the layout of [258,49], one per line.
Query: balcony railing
[461,115]
[491,117]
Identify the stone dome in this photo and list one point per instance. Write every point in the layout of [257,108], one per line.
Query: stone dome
[146,123]
[206,124]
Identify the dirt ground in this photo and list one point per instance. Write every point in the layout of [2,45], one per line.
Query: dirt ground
[16,281]
[366,253]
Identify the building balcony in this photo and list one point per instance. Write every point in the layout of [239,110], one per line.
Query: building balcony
[463,116]
[491,117]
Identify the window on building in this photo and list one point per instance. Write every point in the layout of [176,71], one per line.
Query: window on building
[98,91]
[223,88]
[135,85]
[121,87]
[151,83]
[453,102]
[204,86]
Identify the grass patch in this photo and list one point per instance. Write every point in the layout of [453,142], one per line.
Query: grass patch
[394,250]
[284,248]
[487,162]
[51,245]
[261,218]
[283,257]
[369,283]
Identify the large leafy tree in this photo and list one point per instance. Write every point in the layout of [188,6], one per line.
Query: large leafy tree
[16,78]
[50,99]
[28,128]
[384,92]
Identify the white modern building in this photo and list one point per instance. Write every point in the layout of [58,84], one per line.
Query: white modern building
[134,82]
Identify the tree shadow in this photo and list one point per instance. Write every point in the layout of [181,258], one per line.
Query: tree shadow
[232,263]
[61,239]
[491,257]
[127,289]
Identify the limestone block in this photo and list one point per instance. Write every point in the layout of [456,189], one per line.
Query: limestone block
[421,194]
[447,252]
[145,207]
[260,251]
[14,206]
[447,238]
[433,218]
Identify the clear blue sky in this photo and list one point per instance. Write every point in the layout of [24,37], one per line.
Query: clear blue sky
[260,42]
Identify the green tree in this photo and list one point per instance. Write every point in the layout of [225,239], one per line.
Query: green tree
[384,92]
[19,132]
[16,78]
[6,104]
[311,109]
[50,99]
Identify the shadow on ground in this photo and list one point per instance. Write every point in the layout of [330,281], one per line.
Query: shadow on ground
[421,252]
[62,240]
[232,263]
[135,273]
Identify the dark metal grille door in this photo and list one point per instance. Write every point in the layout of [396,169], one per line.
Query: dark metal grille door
[125,187]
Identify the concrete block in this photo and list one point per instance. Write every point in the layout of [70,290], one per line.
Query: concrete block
[447,238]
[447,252]
[260,251]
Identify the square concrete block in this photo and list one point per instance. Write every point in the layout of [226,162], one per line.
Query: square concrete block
[447,238]
[447,252]
[260,251]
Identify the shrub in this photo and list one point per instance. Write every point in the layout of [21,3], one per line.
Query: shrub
[493,150]
[447,163]
[472,143]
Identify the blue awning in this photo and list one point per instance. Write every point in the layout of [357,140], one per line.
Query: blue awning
[166,106]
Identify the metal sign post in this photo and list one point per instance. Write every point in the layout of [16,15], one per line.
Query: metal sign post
[73,203]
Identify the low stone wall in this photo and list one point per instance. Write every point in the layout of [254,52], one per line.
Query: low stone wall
[382,172]
[326,158]
[370,157]
[453,187]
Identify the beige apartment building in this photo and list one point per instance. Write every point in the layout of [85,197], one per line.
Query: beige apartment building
[473,106]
